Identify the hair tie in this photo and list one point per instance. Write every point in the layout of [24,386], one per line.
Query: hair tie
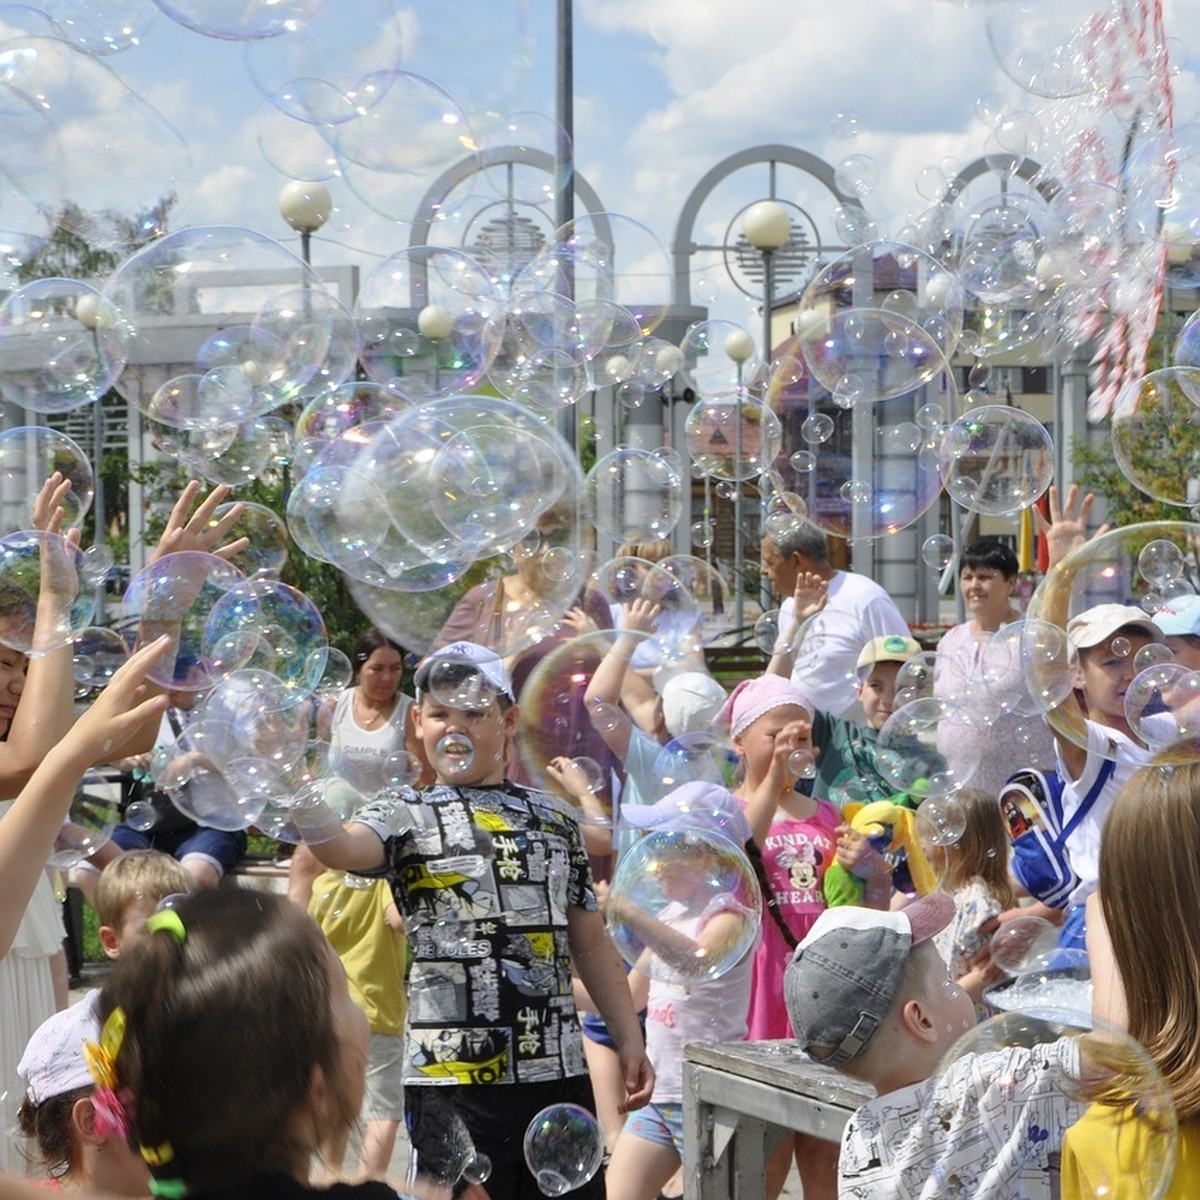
[159,1156]
[169,921]
[168,1189]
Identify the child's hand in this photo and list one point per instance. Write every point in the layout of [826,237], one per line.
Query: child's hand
[793,749]
[810,594]
[578,622]
[188,530]
[856,854]
[569,776]
[1067,528]
[48,512]
[119,711]
[641,616]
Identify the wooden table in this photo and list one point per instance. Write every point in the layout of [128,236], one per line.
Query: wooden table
[741,1099]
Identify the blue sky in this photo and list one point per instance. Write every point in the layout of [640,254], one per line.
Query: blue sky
[664,89]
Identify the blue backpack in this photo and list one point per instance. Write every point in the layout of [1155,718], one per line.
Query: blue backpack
[1031,802]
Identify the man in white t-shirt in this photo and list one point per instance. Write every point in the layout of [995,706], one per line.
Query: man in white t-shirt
[821,655]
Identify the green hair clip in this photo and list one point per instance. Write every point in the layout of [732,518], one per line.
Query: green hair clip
[168,1189]
[167,920]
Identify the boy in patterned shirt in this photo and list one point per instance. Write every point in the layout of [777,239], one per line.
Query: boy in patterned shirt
[494,885]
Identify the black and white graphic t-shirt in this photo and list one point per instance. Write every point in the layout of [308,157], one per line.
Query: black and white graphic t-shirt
[484,878]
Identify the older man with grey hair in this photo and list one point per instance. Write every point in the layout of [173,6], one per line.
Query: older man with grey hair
[820,654]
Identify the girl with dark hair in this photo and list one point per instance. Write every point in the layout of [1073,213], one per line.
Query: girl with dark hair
[230,1049]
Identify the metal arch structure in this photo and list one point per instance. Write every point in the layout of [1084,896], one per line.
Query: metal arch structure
[1005,166]
[475,164]
[771,154]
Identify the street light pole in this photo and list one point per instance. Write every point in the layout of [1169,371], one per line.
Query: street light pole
[305,207]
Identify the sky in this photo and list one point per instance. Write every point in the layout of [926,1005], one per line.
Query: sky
[908,90]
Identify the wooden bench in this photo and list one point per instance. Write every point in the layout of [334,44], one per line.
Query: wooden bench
[262,874]
[741,1099]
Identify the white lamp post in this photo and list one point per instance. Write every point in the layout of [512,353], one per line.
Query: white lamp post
[739,346]
[305,207]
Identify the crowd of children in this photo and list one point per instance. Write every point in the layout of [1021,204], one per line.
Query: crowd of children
[459,933]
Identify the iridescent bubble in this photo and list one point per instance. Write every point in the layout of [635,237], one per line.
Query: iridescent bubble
[689,869]
[815,429]
[141,815]
[635,495]
[239,20]
[733,436]
[706,354]
[563,1148]
[98,654]
[29,455]
[527,133]
[900,341]
[94,813]
[1019,942]
[267,533]
[34,565]
[1156,432]
[266,625]
[454,754]
[1162,182]
[60,346]
[1002,247]
[1162,706]
[997,460]
[941,820]
[907,750]
[173,596]
[856,175]
[696,756]
[937,551]
[1049,51]
[422,314]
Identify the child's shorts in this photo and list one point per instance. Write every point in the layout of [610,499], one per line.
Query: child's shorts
[661,1124]
[384,1097]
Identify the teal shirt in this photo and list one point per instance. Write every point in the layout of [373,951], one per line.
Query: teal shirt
[846,762]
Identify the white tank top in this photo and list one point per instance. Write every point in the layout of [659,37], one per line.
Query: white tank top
[360,756]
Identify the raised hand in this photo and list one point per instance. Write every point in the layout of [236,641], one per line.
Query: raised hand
[1067,528]
[641,616]
[196,530]
[810,593]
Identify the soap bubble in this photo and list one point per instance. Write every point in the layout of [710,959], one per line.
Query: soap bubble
[894,478]
[705,350]
[766,632]
[1026,667]
[454,754]
[94,813]
[98,654]
[997,460]
[1001,249]
[1155,433]
[1098,1075]
[1018,943]
[174,595]
[422,315]
[60,346]
[239,20]
[248,371]
[31,561]
[563,1148]
[141,815]
[917,676]
[636,495]
[907,755]
[337,515]
[1162,706]
[193,774]
[696,756]
[712,602]
[937,552]
[266,625]
[732,436]
[29,455]
[267,551]
[1162,182]
[1160,562]
[941,820]
[902,341]
[675,877]
[555,720]
[1049,51]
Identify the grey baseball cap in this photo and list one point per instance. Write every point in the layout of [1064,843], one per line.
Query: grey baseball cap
[844,975]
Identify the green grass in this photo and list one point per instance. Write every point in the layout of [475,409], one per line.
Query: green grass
[92,950]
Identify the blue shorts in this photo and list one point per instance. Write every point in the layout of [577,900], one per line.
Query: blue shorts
[217,847]
[661,1124]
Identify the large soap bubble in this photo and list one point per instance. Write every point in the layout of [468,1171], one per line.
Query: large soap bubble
[907,755]
[674,883]
[732,436]
[1077,1083]
[836,478]
[239,20]
[29,455]
[94,813]
[636,495]
[717,355]
[563,1148]
[218,269]
[173,596]
[997,459]
[266,625]
[879,321]
[422,314]
[59,345]
[1156,434]
[33,564]
[1049,50]
[1162,182]
[1002,247]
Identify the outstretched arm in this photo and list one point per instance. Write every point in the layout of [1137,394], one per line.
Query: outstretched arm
[808,598]
[1067,528]
[605,687]
[28,829]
